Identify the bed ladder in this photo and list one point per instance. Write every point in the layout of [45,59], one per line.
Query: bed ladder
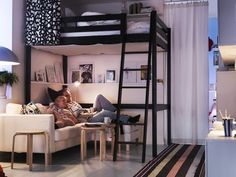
[120,90]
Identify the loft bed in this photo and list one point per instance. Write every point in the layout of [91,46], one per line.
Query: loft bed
[106,29]
[78,35]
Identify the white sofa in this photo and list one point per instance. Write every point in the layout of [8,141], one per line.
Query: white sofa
[12,121]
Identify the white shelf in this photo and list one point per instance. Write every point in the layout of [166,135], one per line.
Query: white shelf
[48,83]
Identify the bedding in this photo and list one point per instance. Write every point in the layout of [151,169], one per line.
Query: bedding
[133,26]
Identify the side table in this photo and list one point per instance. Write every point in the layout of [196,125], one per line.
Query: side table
[102,131]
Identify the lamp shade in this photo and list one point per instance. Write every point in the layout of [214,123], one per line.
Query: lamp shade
[7,57]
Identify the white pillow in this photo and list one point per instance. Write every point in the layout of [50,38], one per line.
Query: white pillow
[91,13]
[13,108]
[91,23]
[69,12]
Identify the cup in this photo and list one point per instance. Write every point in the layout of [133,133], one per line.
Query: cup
[107,120]
[91,109]
[228,126]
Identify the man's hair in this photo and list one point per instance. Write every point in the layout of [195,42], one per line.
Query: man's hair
[60,93]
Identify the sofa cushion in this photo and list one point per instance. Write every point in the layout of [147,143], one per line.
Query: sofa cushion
[67,132]
[13,108]
[43,109]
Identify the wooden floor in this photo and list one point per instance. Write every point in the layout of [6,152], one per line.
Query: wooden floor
[67,163]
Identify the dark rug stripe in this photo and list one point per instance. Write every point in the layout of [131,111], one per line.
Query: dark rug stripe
[148,168]
[153,164]
[187,163]
[200,171]
[171,163]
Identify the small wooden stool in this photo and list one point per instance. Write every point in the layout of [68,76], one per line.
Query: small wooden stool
[102,131]
[29,153]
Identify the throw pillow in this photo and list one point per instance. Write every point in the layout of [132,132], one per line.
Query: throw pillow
[53,94]
[43,109]
[30,108]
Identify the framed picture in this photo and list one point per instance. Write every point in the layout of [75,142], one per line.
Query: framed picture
[51,75]
[86,73]
[59,72]
[75,76]
[40,76]
[111,75]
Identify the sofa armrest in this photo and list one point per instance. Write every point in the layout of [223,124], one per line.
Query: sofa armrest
[11,123]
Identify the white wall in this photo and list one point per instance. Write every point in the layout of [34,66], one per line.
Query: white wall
[6,23]
[18,24]
[11,36]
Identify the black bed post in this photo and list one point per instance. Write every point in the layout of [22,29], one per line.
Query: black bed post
[27,73]
[65,68]
[169,87]
[154,87]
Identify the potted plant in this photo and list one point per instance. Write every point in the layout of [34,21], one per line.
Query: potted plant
[6,78]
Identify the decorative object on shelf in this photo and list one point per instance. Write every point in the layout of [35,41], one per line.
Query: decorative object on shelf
[75,76]
[135,8]
[86,73]
[142,75]
[100,78]
[111,75]
[7,57]
[130,76]
[6,78]
[59,72]
[51,75]
[124,6]
[40,76]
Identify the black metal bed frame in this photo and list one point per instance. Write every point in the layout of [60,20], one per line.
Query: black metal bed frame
[161,38]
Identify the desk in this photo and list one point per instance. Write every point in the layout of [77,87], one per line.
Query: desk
[220,154]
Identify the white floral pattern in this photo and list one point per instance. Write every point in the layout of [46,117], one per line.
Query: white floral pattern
[43,22]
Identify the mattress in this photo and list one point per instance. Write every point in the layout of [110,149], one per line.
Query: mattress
[132,28]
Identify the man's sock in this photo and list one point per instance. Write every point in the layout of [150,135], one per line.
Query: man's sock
[134,119]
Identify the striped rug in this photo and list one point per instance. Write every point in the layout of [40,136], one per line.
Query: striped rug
[176,161]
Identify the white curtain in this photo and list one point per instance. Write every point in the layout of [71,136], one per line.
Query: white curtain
[189,83]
